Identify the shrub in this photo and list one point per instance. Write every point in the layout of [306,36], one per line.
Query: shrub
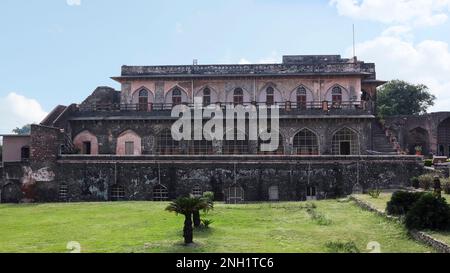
[415,182]
[401,202]
[429,212]
[206,223]
[445,183]
[428,162]
[426,181]
[318,217]
[342,247]
[374,193]
[209,195]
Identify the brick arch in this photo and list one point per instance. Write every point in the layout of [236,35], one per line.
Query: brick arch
[83,137]
[308,144]
[129,136]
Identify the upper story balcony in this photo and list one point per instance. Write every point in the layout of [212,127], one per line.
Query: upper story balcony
[286,109]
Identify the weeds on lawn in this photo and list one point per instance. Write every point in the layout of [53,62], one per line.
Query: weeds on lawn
[318,217]
[342,247]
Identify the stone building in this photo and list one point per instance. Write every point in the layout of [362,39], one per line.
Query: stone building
[117,145]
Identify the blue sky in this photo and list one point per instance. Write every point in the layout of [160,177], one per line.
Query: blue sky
[57,51]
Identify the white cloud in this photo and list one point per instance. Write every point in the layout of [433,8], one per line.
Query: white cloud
[73,2]
[17,110]
[415,12]
[244,61]
[427,62]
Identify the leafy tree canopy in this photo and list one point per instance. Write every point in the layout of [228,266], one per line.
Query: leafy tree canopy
[25,130]
[402,98]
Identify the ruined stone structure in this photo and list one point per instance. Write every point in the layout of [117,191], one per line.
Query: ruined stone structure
[431,132]
[117,145]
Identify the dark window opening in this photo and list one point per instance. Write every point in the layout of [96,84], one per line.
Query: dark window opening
[87,148]
[176,97]
[143,100]
[301,98]
[311,192]
[206,97]
[117,193]
[336,98]
[25,153]
[270,96]
[238,96]
[344,148]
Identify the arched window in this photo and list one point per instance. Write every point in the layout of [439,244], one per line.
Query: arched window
[86,143]
[306,143]
[270,96]
[336,96]
[129,143]
[25,153]
[278,151]
[117,193]
[143,100]
[206,96]
[160,193]
[345,142]
[166,145]
[234,195]
[301,97]
[235,146]
[273,193]
[176,97]
[238,96]
[197,191]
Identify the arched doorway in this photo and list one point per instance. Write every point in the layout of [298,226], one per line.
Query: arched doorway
[234,195]
[418,137]
[444,138]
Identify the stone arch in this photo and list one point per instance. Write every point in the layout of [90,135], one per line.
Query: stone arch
[160,193]
[184,95]
[309,94]
[345,93]
[129,143]
[306,142]
[230,95]
[345,141]
[86,143]
[262,93]
[234,194]
[136,95]
[214,93]
[418,137]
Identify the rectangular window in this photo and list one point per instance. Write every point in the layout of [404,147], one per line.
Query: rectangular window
[344,148]
[87,147]
[129,148]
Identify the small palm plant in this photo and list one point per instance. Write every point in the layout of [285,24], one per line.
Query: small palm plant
[187,206]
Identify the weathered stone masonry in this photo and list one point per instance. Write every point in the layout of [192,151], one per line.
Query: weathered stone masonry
[110,147]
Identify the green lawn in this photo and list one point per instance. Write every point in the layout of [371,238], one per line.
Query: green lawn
[146,227]
[381,202]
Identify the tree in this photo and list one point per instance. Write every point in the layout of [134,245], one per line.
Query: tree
[196,214]
[25,130]
[186,206]
[402,98]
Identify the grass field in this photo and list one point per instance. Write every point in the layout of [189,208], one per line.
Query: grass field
[381,202]
[146,227]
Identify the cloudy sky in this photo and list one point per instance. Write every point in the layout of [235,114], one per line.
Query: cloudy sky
[57,51]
